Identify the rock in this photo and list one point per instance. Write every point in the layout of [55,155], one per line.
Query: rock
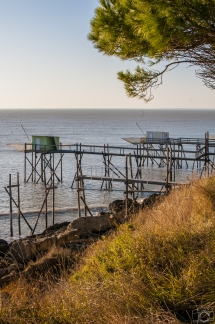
[3,242]
[22,250]
[2,272]
[25,250]
[68,236]
[103,214]
[97,224]
[43,244]
[20,266]
[55,227]
[4,246]
[65,234]
[8,260]
[8,278]
[118,206]
[149,201]
[16,267]
[3,263]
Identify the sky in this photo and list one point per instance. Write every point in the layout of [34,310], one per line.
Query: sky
[46,61]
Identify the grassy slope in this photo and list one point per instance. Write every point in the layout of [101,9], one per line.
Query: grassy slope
[155,269]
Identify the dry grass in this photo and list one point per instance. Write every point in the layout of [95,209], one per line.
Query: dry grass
[157,269]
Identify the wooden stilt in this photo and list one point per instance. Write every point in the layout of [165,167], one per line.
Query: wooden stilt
[19,223]
[167,170]
[78,187]
[126,182]
[53,193]
[87,208]
[32,165]
[46,202]
[61,166]
[131,173]
[11,209]
[25,165]
[170,170]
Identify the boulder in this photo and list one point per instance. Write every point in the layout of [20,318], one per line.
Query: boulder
[16,267]
[96,224]
[43,244]
[66,237]
[3,272]
[55,227]
[8,278]
[3,242]
[149,201]
[25,250]
[22,250]
[118,206]
[4,246]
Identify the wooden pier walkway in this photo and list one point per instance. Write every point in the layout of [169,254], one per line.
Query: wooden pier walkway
[130,180]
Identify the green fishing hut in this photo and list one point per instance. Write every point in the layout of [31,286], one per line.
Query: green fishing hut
[45,143]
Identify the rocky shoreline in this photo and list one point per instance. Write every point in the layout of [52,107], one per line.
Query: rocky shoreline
[29,256]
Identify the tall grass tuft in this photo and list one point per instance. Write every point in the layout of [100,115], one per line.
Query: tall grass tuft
[158,268]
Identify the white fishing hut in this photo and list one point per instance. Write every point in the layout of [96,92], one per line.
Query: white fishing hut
[157,136]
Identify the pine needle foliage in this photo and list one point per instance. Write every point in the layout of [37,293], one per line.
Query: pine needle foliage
[150,32]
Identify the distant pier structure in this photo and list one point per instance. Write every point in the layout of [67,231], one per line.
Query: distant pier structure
[154,162]
[156,149]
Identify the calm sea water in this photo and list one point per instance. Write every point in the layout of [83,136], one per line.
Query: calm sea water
[86,126]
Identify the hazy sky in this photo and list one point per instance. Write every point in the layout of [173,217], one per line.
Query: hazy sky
[46,61]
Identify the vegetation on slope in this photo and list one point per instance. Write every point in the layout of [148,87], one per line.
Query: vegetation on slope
[158,268]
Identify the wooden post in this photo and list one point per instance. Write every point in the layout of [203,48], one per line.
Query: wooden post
[108,171]
[167,170]
[35,164]
[11,209]
[174,161]
[19,223]
[32,164]
[84,201]
[170,171]
[25,165]
[105,161]
[41,162]
[82,189]
[126,199]
[46,201]
[78,189]
[61,164]
[131,172]
[53,194]
[147,155]
[206,154]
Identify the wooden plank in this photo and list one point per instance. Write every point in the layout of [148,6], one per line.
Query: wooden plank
[12,186]
[11,209]
[153,182]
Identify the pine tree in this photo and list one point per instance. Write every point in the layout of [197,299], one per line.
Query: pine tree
[154,31]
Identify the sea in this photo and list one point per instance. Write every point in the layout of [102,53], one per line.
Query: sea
[88,127]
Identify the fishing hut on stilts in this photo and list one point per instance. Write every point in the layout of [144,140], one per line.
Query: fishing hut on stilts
[135,166]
